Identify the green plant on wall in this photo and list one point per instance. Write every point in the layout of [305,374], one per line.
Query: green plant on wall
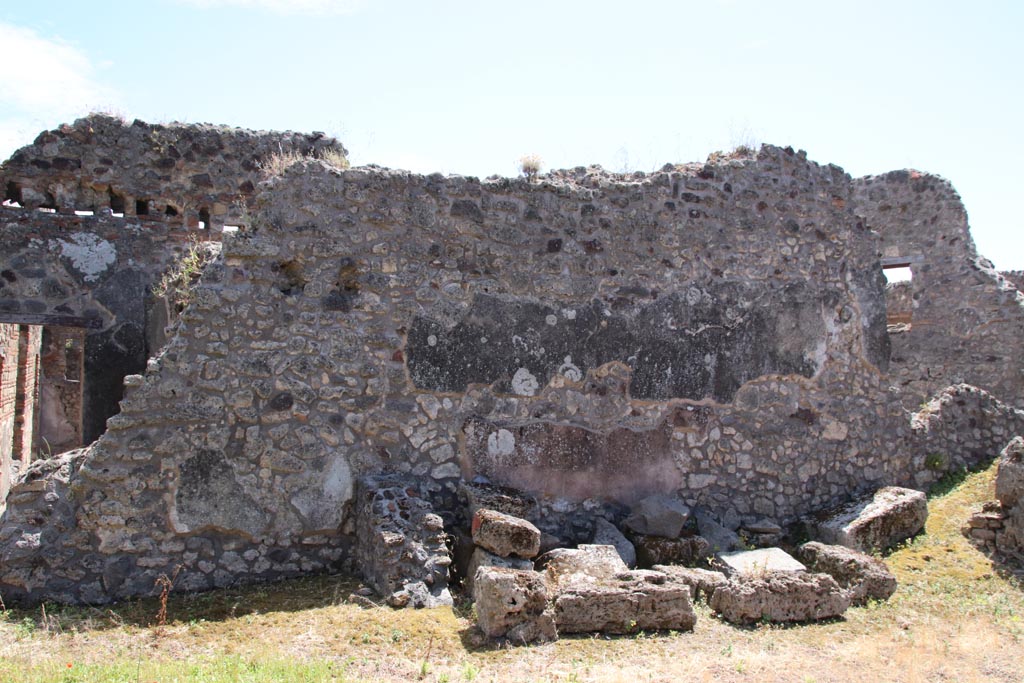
[935,462]
[178,282]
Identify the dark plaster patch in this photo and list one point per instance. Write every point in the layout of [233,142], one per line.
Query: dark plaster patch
[209,495]
[705,341]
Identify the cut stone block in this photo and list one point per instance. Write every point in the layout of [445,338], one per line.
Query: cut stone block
[505,535]
[630,601]
[702,582]
[876,522]
[501,498]
[780,597]
[483,558]
[759,562]
[719,538]
[658,515]
[652,550]
[596,561]
[606,533]
[513,604]
[865,577]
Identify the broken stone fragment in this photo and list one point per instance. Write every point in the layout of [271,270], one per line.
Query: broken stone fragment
[658,515]
[597,561]
[719,537]
[513,604]
[606,533]
[702,582]
[865,577]
[758,562]
[483,558]
[779,597]
[505,535]
[652,550]
[876,522]
[625,603]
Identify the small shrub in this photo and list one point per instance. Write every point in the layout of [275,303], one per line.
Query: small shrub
[281,161]
[530,165]
[935,462]
[177,283]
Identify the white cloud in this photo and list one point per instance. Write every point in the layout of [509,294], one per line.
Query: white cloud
[46,82]
[314,7]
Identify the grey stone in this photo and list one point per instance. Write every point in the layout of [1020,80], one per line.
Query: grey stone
[865,577]
[779,597]
[480,495]
[505,535]
[719,538]
[659,515]
[1010,473]
[758,562]
[606,533]
[876,522]
[513,604]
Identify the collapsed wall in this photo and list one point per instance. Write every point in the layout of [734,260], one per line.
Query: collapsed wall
[716,330]
[961,321]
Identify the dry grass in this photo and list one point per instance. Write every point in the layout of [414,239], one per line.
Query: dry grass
[279,162]
[954,618]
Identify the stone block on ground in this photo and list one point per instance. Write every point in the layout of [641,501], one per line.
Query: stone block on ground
[687,550]
[719,537]
[658,515]
[761,533]
[505,535]
[483,558]
[501,498]
[780,597]
[400,543]
[1010,475]
[513,604]
[876,522]
[630,601]
[758,562]
[597,561]
[865,577]
[702,582]
[606,533]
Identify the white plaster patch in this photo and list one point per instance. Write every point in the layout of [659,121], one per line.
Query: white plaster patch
[551,319]
[501,443]
[569,313]
[89,254]
[432,340]
[524,383]
[570,370]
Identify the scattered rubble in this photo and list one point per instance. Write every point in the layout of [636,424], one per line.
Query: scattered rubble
[998,527]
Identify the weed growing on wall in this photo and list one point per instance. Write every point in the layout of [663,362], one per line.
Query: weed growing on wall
[176,285]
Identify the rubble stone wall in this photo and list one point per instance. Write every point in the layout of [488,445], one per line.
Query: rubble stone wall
[181,173]
[95,273]
[715,329]
[966,320]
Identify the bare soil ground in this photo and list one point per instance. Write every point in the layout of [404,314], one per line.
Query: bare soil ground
[956,617]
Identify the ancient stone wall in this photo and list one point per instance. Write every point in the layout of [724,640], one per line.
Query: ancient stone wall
[966,321]
[184,174]
[717,330]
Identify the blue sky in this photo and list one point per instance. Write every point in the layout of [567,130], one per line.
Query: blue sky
[470,87]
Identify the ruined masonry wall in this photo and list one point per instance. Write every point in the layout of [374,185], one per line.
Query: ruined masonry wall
[181,173]
[966,320]
[716,330]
